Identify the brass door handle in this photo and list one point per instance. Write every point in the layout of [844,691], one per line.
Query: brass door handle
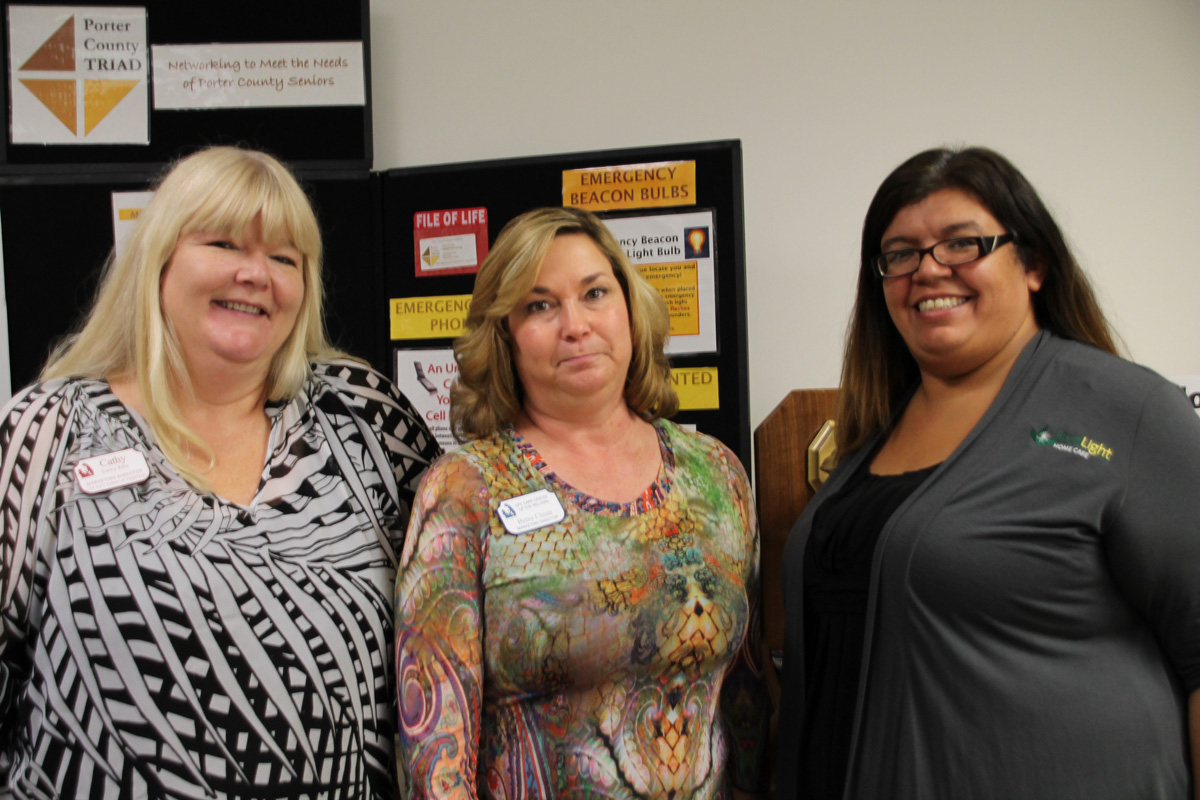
[821,452]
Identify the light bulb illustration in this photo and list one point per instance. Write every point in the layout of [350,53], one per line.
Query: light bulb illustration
[696,239]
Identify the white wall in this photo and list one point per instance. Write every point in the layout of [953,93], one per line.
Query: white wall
[1097,102]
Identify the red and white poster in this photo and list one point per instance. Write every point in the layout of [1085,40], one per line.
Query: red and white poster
[452,241]
[425,377]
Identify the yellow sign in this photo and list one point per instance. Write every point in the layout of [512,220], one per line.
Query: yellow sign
[429,317]
[129,214]
[677,282]
[664,183]
[697,387]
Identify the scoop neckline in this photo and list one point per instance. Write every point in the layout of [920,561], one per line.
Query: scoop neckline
[921,472]
[108,403]
[651,498]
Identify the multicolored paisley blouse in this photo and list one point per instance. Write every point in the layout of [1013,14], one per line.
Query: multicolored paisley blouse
[612,654]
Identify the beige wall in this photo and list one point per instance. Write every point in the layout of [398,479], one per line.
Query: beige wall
[1097,102]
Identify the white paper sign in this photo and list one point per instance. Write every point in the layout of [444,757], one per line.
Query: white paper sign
[449,252]
[78,75]
[126,208]
[259,75]
[676,253]
[424,377]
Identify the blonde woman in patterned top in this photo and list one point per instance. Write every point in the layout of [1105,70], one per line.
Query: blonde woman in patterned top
[576,602]
[201,508]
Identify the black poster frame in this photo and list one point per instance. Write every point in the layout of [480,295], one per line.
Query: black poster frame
[57,234]
[508,187]
[309,137]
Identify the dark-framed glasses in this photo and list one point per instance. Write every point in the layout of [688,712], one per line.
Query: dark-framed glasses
[949,253]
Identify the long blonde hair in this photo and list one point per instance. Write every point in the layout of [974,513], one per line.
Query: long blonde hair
[487,395]
[125,335]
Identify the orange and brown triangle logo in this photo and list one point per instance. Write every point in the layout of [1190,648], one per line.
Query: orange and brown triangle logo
[101,97]
[61,96]
[58,52]
[58,96]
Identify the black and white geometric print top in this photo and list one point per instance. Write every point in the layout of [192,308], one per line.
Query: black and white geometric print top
[159,643]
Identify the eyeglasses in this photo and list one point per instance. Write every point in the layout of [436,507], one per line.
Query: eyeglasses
[949,253]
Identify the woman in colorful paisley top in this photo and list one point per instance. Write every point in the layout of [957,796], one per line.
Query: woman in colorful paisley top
[576,605]
[201,508]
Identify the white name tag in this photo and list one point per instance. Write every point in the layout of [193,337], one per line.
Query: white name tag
[530,511]
[111,471]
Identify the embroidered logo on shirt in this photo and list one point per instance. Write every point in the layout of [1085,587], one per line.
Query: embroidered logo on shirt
[1082,446]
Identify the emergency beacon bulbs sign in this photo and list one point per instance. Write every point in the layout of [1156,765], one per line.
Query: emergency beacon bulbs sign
[77,75]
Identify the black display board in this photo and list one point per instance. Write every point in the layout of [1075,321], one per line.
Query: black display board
[57,232]
[310,137]
[509,187]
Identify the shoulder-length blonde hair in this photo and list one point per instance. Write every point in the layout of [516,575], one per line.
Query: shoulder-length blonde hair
[487,394]
[125,335]
[878,369]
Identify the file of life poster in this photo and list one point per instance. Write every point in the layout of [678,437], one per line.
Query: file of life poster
[676,254]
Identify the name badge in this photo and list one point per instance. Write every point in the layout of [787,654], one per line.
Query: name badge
[111,471]
[530,511]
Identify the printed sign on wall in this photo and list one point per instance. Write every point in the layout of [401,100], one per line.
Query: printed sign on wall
[126,208]
[699,388]
[77,75]
[452,241]
[439,317]
[425,376]
[259,75]
[675,253]
[666,183]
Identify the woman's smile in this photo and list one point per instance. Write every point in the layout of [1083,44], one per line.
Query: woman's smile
[939,303]
[245,308]
[956,319]
[232,299]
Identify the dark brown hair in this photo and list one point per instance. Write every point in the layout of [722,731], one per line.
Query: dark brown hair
[877,368]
